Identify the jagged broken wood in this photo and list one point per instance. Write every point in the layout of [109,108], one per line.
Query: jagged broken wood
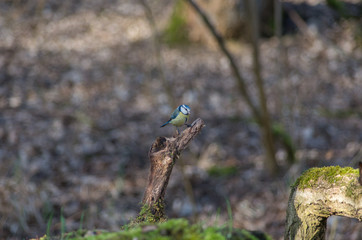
[163,155]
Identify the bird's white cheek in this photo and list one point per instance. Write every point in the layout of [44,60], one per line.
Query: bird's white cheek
[184,111]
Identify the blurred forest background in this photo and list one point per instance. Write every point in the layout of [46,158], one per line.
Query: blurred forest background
[86,84]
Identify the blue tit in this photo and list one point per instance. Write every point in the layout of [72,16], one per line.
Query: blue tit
[179,117]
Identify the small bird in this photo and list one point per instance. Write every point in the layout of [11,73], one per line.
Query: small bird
[179,117]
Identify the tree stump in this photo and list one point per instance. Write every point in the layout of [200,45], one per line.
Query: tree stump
[318,194]
[163,155]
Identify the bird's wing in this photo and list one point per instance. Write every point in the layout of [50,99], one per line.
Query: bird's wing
[174,114]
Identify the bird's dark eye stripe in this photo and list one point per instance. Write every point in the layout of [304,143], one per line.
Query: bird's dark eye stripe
[184,107]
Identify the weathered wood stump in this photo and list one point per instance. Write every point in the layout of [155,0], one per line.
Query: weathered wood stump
[163,155]
[318,194]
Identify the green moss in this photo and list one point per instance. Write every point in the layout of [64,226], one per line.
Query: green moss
[175,229]
[341,114]
[354,190]
[176,30]
[249,235]
[242,234]
[335,4]
[221,171]
[338,6]
[331,175]
[285,139]
[357,32]
[151,214]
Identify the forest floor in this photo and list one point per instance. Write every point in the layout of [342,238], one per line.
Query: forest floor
[81,100]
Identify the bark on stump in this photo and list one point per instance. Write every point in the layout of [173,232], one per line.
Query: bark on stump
[163,155]
[318,194]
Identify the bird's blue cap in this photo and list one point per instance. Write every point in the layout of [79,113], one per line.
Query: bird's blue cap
[185,109]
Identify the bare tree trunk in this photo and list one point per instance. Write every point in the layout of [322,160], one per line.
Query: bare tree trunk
[163,155]
[318,194]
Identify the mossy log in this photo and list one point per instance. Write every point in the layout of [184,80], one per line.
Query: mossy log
[319,193]
[163,155]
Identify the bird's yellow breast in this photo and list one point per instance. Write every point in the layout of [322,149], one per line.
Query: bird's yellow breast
[179,120]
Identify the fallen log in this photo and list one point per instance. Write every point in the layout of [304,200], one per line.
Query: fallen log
[318,194]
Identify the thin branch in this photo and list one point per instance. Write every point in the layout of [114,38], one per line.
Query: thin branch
[240,80]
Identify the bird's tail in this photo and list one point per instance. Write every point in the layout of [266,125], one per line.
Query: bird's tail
[165,124]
